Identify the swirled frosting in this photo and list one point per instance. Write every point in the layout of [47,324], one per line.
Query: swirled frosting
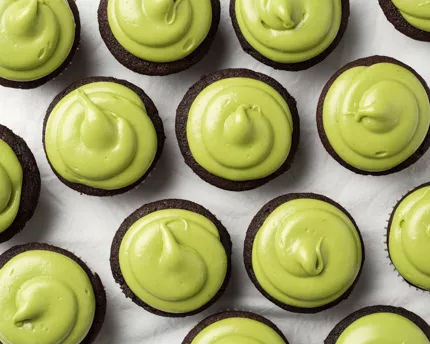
[307,253]
[416,12]
[288,31]
[376,117]
[36,36]
[173,260]
[101,136]
[11,177]
[240,129]
[160,30]
[382,328]
[409,239]
[238,331]
[45,298]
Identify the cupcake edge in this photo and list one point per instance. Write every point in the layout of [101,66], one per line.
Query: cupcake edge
[343,324]
[292,67]
[31,183]
[255,226]
[145,67]
[366,62]
[99,291]
[400,23]
[26,85]
[151,208]
[182,119]
[152,113]
[227,315]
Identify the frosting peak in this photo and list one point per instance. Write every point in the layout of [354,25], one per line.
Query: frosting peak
[276,14]
[21,17]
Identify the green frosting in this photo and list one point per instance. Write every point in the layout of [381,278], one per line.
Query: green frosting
[238,331]
[409,239]
[376,117]
[382,328]
[289,31]
[36,36]
[173,260]
[10,185]
[101,136]
[160,30]
[307,253]
[416,12]
[240,129]
[45,298]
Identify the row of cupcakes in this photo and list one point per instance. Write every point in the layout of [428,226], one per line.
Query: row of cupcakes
[41,37]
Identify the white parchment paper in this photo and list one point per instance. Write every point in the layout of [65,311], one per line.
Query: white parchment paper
[86,225]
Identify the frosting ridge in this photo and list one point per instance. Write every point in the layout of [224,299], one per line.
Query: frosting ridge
[416,12]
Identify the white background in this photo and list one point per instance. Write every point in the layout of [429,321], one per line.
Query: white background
[86,225]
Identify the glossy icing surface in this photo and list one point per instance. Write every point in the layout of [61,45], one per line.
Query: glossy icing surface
[416,12]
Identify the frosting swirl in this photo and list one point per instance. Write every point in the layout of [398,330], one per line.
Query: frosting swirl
[240,129]
[307,253]
[160,30]
[173,260]
[101,136]
[416,12]
[11,177]
[409,239]
[289,31]
[238,331]
[376,117]
[45,298]
[382,328]
[36,37]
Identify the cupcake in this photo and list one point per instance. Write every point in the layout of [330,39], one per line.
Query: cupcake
[172,258]
[238,129]
[373,116]
[381,324]
[102,136]
[158,37]
[48,295]
[304,252]
[235,327]
[408,237]
[38,40]
[289,35]
[412,18]
[19,184]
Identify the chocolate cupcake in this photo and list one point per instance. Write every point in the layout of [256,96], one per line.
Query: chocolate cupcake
[408,237]
[19,184]
[160,37]
[172,258]
[102,136]
[48,295]
[38,40]
[373,116]
[411,18]
[289,35]
[381,324]
[235,327]
[304,252]
[238,129]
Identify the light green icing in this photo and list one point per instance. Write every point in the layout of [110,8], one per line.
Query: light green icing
[11,176]
[173,260]
[289,31]
[382,328]
[36,36]
[101,136]
[409,239]
[307,253]
[160,30]
[376,117]
[238,331]
[240,129]
[416,12]
[45,298]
